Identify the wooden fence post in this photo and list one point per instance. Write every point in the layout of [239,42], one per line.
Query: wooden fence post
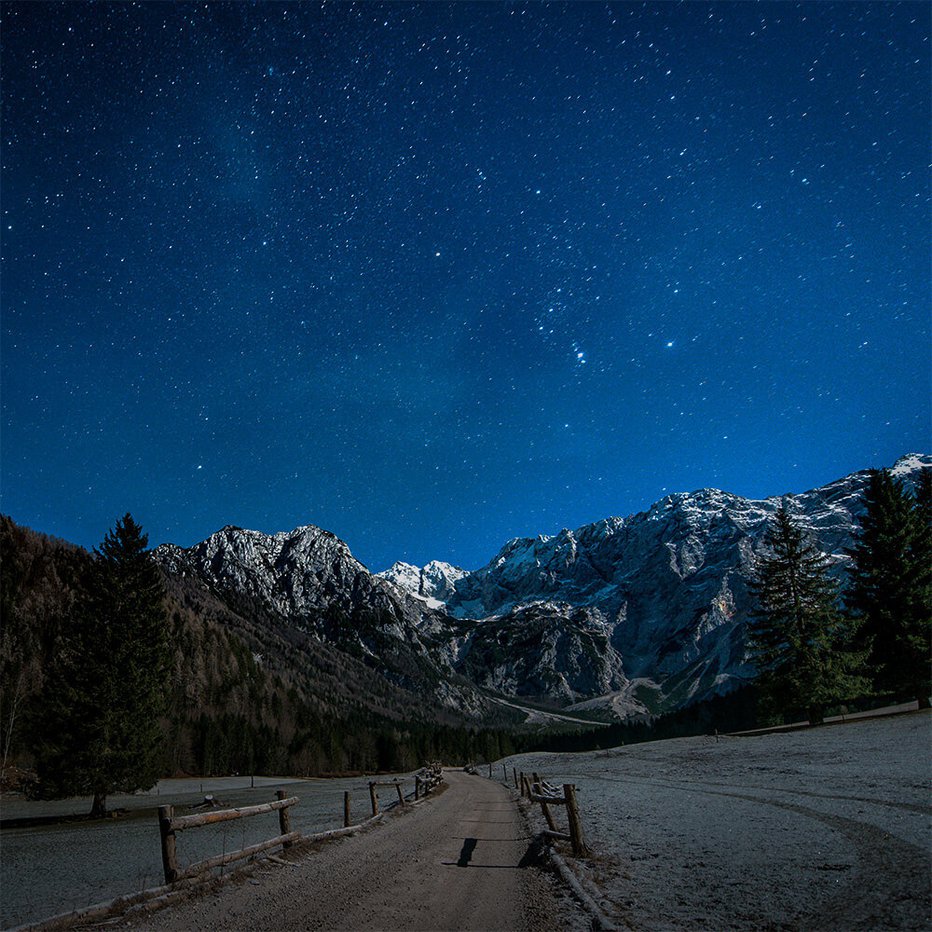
[504,773]
[284,818]
[572,812]
[373,796]
[548,815]
[490,771]
[401,796]
[346,809]
[169,858]
[515,772]
[417,788]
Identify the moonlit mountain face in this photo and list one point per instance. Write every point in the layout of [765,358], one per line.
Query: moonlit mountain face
[631,615]
[434,583]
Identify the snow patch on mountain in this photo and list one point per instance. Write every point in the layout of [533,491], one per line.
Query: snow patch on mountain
[433,583]
[907,466]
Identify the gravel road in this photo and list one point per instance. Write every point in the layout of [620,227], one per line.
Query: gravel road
[460,860]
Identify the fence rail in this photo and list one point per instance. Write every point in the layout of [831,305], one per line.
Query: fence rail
[225,815]
[169,823]
[430,775]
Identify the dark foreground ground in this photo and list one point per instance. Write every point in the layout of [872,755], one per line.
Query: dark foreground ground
[823,828]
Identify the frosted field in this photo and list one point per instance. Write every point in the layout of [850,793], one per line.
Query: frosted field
[50,869]
[825,828]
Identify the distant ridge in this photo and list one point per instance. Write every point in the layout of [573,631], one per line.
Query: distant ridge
[631,615]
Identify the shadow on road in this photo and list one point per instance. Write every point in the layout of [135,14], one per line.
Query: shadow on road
[469,845]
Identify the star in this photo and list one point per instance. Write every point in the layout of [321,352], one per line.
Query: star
[262,250]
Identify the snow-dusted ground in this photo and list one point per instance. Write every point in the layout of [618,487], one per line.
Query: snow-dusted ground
[48,869]
[826,828]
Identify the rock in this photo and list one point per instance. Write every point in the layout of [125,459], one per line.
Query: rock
[639,614]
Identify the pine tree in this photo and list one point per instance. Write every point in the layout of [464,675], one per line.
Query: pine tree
[100,726]
[798,639]
[891,584]
[921,561]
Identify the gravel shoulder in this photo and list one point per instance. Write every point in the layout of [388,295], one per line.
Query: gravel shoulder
[459,860]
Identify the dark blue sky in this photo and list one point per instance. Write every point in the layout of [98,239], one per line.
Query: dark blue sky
[433,276]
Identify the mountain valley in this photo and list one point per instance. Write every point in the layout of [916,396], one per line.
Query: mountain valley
[289,650]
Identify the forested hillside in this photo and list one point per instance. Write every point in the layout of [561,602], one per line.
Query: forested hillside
[248,694]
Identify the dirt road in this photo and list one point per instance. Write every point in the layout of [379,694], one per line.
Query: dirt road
[457,861]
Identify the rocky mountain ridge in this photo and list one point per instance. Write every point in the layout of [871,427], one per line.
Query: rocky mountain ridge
[628,615]
[308,579]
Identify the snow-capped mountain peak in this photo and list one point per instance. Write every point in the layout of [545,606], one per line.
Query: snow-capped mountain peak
[404,575]
[433,583]
[909,464]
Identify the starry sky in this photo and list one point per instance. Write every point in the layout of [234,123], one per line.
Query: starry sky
[432,276]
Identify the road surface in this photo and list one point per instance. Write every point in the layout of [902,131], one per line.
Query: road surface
[460,860]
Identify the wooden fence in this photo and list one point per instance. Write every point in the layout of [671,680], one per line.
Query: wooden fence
[539,791]
[178,881]
[374,796]
[169,824]
[430,776]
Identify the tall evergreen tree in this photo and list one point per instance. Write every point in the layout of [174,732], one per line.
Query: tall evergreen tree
[891,584]
[797,637]
[921,559]
[100,730]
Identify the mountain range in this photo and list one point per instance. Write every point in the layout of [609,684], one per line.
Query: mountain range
[617,619]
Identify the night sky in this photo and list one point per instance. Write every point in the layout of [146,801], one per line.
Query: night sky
[432,276]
